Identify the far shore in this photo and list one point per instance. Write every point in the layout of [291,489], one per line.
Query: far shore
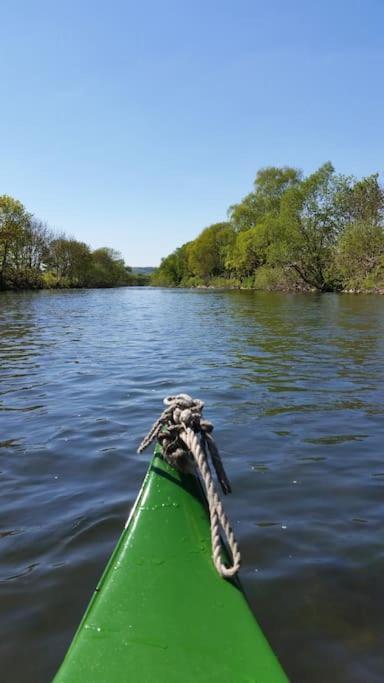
[223,288]
[277,291]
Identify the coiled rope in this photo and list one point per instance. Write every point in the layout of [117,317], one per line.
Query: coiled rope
[186,439]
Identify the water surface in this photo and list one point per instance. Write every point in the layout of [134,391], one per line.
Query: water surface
[294,386]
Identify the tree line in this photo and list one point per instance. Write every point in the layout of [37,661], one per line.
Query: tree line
[32,256]
[322,232]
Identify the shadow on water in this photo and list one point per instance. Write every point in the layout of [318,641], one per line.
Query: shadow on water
[294,386]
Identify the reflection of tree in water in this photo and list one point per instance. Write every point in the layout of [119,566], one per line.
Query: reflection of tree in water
[22,334]
[280,338]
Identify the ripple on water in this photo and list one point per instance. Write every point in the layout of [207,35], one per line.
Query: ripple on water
[294,386]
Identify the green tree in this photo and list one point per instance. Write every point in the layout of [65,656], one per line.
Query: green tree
[360,256]
[173,269]
[362,201]
[208,254]
[308,227]
[249,250]
[70,261]
[58,257]
[270,184]
[291,232]
[32,256]
[14,220]
[108,269]
[28,253]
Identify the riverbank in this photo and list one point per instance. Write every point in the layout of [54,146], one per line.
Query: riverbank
[34,257]
[322,232]
[286,290]
[137,281]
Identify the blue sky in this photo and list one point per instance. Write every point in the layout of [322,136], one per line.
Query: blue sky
[135,125]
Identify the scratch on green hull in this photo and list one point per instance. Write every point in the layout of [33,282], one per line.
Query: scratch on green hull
[161,613]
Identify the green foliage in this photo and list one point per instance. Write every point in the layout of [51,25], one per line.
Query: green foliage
[32,257]
[69,260]
[227,282]
[208,254]
[359,259]
[50,280]
[15,222]
[270,185]
[362,201]
[137,279]
[308,228]
[322,232]
[107,269]
[274,278]
[173,269]
[250,248]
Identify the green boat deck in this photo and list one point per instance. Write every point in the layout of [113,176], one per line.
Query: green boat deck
[161,613]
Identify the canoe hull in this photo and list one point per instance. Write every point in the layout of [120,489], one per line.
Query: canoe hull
[160,612]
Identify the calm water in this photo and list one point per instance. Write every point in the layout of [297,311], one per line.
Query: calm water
[294,385]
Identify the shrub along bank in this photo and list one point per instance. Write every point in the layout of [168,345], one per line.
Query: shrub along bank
[321,232]
[33,257]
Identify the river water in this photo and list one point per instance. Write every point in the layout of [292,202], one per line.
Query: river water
[294,385]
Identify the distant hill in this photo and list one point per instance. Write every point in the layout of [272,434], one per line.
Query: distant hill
[143,270]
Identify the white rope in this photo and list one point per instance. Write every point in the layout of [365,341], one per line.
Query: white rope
[181,425]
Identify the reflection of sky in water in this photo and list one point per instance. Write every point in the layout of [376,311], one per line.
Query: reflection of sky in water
[294,386]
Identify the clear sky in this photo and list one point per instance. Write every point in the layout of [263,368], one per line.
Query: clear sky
[136,124]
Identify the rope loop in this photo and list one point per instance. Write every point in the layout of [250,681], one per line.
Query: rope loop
[186,440]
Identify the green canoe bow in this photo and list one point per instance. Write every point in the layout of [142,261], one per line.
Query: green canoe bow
[161,613]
